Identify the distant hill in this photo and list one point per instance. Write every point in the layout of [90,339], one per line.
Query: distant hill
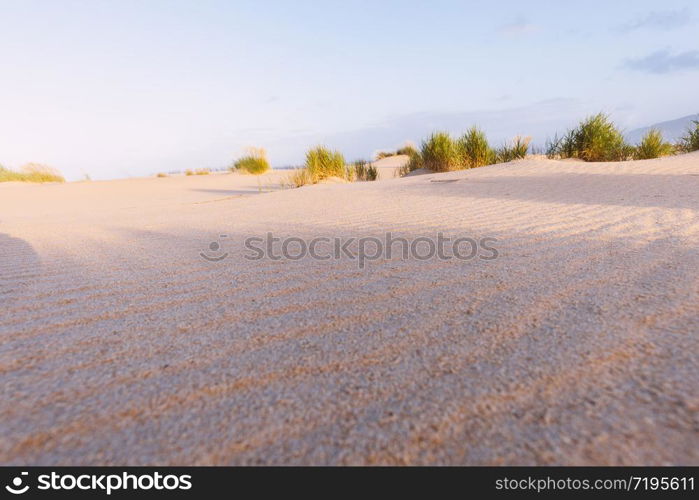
[672,130]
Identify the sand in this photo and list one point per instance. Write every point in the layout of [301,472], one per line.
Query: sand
[387,168]
[578,345]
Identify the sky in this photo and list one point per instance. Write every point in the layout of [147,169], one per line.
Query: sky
[122,88]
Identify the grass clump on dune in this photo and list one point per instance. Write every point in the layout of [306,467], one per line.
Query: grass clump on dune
[31,172]
[384,154]
[690,141]
[652,146]
[595,139]
[516,150]
[298,178]
[413,163]
[474,150]
[198,171]
[408,150]
[321,163]
[350,173]
[440,153]
[364,171]
[254,162]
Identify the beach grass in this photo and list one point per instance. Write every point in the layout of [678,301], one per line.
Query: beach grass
[31,172]
[298,178]
[440,153]
[413,163]
[690,141]
[322,162]
[515,150]
[474,149]
[364,171]
[595,139]
[384,154]
[254,162]
[652,145]
[408,150]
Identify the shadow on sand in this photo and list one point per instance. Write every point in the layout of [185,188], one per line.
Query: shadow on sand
[19,265]
[239,192]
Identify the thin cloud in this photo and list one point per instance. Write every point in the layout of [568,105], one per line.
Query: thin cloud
[663,61]
[519,27]
[666,20]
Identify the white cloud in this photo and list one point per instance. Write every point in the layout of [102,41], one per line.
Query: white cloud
[663,61]
[660,20]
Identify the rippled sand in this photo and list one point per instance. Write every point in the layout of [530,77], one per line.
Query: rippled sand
[578,345]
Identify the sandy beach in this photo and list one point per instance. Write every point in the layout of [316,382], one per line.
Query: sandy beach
[578,345]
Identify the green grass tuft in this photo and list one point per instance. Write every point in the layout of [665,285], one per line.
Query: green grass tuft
[31,172]
[516,150]
[364,171]
[198,171]
[440,153]
[690,141]
[408,150]
[255,162]
[414,163]
[298,178]
[595,139]
[384,154]
[322,163]
[474,149]
[652,146]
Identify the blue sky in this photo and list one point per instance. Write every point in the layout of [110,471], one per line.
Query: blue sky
[117,88]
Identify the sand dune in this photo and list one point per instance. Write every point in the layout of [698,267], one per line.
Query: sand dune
[578,345]
[387,167]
